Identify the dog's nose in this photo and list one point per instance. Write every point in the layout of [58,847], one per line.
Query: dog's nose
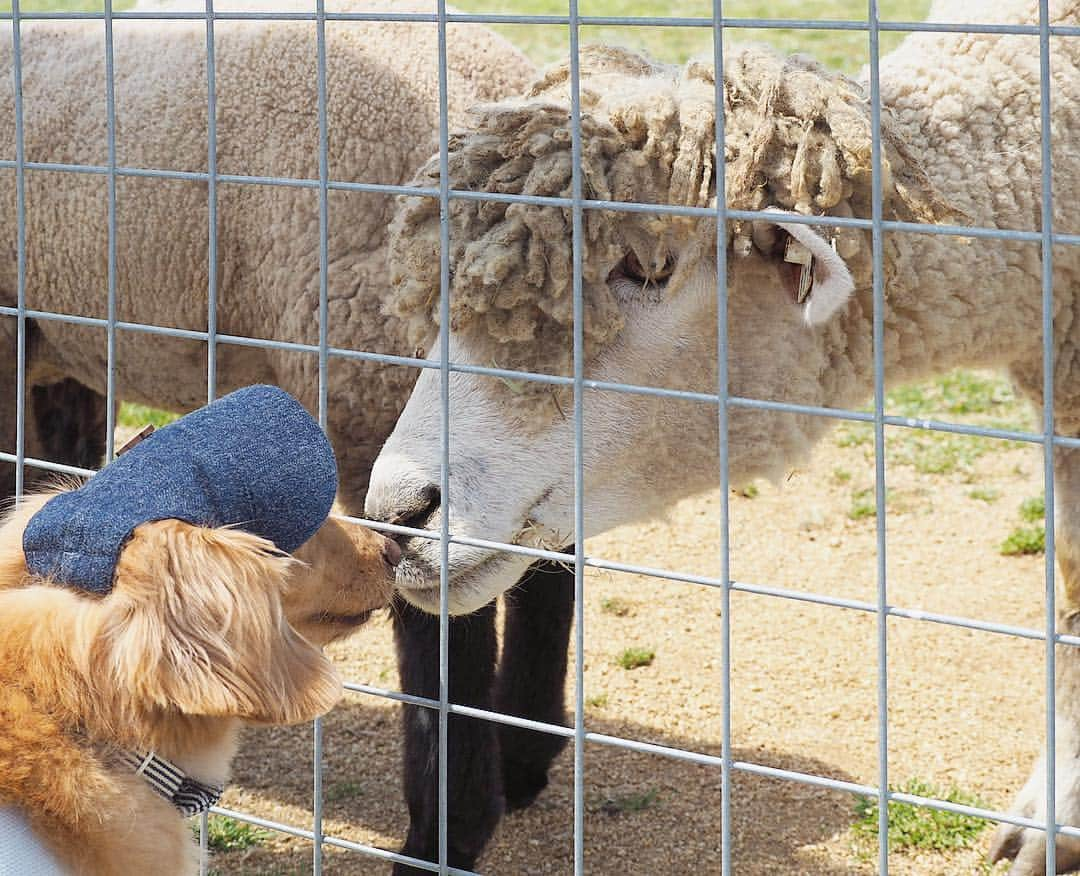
[391,552]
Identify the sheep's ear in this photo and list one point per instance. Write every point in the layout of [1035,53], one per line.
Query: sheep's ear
[832,285]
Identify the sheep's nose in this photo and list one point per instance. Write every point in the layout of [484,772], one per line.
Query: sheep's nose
[391,553]
[409,507]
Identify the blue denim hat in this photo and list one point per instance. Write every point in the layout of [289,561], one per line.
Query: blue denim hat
[254,459]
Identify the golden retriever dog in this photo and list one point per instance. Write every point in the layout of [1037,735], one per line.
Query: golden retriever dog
[204,629]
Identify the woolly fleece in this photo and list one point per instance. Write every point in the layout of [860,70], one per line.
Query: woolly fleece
[960,125]
[382,112]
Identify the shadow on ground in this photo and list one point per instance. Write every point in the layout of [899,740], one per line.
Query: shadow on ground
[644,813]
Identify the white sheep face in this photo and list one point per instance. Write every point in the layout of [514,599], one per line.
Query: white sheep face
[797,137]
[511,473]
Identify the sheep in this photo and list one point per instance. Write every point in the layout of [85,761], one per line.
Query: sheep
[960,136]
[382,112]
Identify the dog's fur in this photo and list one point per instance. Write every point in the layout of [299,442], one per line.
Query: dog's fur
[204,629]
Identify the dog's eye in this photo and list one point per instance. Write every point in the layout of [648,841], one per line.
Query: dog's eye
[632,268]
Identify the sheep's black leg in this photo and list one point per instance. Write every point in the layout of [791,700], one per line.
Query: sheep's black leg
[532,677]
[474,793]
[69,423]
[65,423]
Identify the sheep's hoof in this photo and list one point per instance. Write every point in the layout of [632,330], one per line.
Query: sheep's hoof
[455,858]
[522,784]
[1026,848]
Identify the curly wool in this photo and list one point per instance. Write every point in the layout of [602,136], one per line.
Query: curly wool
[797,137]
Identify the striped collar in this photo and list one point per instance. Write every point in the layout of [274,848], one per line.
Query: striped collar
[190,797]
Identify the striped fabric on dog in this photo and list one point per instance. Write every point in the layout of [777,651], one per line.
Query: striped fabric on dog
[167,779]
[254,459]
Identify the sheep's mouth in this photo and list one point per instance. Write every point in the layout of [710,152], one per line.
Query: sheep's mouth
[417,576]
[424,578]
[418,582]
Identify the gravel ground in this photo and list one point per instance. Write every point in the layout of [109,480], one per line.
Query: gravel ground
[964,706]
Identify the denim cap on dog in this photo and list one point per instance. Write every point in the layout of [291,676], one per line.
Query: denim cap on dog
[254,459]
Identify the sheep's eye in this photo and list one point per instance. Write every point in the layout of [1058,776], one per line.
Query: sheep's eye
[632,268]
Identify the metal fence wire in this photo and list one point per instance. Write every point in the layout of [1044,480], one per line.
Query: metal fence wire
[725,763]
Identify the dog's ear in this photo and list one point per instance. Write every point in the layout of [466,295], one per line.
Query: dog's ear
[197,625]
[13,571]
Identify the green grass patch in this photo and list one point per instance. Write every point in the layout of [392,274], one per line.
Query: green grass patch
[855,435]
[225,834]
[898,501]
[841,475]
[864,504]
[957,393]
[617,606]
[750,491]
[1031,539]
[599,701]
[1034,509]
[918,827]
[939,452]
[634,658]
[984,494]
[631,803]
[841,50]
[966,397]
[1024,540]
[134,416]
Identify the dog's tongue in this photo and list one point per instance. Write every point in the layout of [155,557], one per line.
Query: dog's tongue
[254,459]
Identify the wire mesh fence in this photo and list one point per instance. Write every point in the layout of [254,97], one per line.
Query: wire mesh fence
[1045,237]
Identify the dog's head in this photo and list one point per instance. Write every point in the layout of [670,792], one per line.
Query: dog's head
[196,622]
[200,621]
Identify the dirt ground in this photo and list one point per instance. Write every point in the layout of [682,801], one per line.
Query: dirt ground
[965,707]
